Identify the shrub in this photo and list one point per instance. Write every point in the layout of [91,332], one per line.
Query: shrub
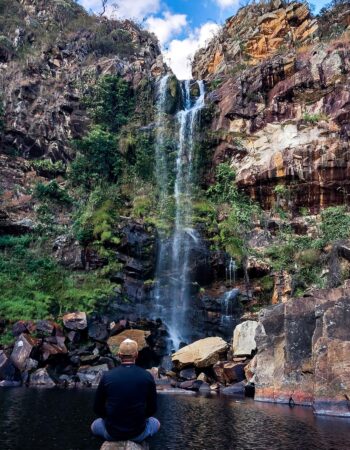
[47,168]
[96,221]
[52,191]
[314,118]
[224,189]
[335,224]
[99,159]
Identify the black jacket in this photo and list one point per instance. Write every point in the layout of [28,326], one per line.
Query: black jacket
[125,398]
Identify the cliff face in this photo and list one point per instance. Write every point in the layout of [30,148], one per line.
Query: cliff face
[51,53]
[281,105]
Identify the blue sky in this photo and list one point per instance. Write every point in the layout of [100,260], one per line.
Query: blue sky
[182,26]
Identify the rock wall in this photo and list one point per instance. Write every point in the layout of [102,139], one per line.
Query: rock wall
[281,116]
[303,352]
[54,52]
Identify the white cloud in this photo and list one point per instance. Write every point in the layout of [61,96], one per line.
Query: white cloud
[179,53]
[166,27]
[227,3]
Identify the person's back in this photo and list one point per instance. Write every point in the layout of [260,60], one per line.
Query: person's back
[126,399]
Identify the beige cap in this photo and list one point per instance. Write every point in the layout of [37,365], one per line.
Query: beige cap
[128,348]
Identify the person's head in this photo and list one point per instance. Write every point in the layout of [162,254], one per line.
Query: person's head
[128,351]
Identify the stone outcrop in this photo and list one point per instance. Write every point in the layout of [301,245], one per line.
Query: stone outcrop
[304,352]
[244,338]
[255,33]
[203,353]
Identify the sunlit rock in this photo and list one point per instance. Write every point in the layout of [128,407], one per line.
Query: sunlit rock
[203,353]
[136,335]
[244,338]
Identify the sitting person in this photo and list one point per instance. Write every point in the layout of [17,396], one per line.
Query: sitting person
[126,399]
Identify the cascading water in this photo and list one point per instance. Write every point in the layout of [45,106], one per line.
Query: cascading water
[172,289]
[184,237]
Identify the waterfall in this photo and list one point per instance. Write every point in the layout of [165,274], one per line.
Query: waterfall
[228,305]
[172,289]
[161,166]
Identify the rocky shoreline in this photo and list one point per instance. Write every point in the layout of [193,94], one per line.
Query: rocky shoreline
[296,354]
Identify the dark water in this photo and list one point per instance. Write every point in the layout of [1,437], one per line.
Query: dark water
[59,420]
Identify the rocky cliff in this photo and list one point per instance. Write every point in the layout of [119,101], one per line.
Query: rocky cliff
[280,85]
[279,91]
[51,53]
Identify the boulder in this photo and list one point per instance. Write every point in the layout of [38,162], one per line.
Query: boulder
[41,378]
[203,353]
[91,375]
[8,372]
[97,330]
[75,321]
[228,372]
[22,350]
[124,445]
[244,338]
[136,335]
[188,374]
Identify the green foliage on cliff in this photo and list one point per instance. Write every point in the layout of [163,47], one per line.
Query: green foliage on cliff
[238,211]
[335,224]
[110,102]
[96,220]
[52,191]
[98,160]
[34,286]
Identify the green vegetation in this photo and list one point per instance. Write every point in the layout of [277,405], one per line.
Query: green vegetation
[49,169]
[33,286]
[314,118]
[239,213]
[335,224]
[110,102]
[98,159]
[52,191]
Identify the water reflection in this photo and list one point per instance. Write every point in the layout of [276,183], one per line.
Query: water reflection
[59,420]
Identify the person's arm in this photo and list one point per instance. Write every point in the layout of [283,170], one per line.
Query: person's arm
[100,399]
[151,406]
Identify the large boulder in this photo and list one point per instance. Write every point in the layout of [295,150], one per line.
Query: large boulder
[304,352]
[203,353]
[136,335]
[124,445]
[22,350]
[244,338]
